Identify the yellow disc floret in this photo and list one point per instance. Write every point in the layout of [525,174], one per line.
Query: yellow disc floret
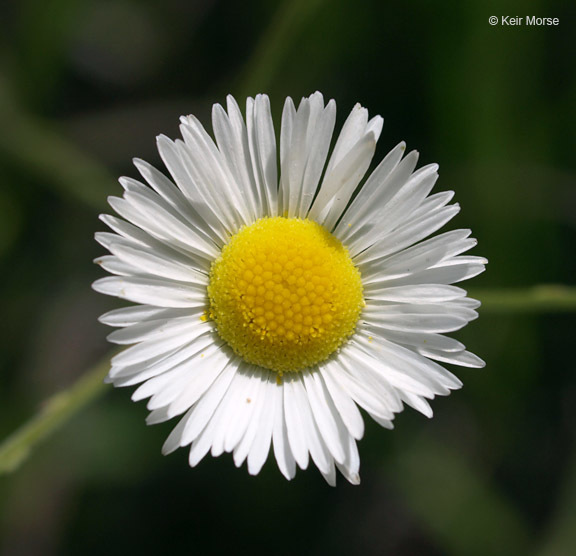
[284,293]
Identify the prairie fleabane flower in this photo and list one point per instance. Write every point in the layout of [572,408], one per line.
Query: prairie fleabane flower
[269,310]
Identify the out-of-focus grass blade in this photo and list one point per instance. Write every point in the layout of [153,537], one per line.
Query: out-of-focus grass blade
[38,149]
[561,540]
[274,43]
[461,509]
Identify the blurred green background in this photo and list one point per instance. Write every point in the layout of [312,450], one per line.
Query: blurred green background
[85,85]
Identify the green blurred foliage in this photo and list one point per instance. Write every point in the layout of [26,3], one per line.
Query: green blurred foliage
[86,84]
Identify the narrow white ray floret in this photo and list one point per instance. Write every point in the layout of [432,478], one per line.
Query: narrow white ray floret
[279,291]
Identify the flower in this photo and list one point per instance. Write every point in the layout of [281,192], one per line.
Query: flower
[268,311]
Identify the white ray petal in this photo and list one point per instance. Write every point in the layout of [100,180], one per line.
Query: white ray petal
[339,185]
[316,445]
[326,416]
[261,429]
[203,373]
[178,389]
[206,164]
[348,410]
[281,444]
[232,404]
[418,293]
[144,351]
[363,215]
[199,215]
[411,364]
[416,229]
[295,424]
[153,329]
[369,389]
[350,469]
[134,314]
[114,265]
[462,358]
[262,143]
[152,291]
[415,339]
[147,261]
[203,411]
[423,255]
[232,140]
[247,406]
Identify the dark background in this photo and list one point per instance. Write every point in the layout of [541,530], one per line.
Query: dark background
[85,85]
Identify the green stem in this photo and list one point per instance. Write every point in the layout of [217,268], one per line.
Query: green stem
[541,298]
[55,412]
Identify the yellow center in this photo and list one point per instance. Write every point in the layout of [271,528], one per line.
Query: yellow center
[284,294]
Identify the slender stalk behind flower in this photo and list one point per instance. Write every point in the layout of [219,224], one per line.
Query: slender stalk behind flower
[269,310]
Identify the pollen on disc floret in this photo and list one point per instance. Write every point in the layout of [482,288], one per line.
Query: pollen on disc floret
[284,293]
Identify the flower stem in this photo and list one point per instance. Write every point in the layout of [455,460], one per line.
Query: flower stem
[55,411]
[540,298]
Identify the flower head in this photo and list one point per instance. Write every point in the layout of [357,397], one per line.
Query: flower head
[269,310]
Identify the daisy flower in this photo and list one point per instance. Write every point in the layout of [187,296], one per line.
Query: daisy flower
[277,293]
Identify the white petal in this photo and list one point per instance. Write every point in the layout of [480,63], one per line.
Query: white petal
[136,372]
[295,425]
[255,443]
[161,293]
[146,350]
[316,445]
[450,272]
[247,405]
[346,407]
[369,389]
[396,211]
[198,215]
[149,262]
[411,365]
[232,140]
[463,358]
[417,402]
[167,226]
[115,266]
[203,411]
[416,229]
[433,323]
[201,375]
[232,405]
[154,329]
[282,451]
[286,131]
[326,416]
[134,314]
[208,170]
[339,185]
[362,217]
[198,373]
[416,339]
[419,293]
[262,143]
[350,469]
[423,255]
[320,129]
